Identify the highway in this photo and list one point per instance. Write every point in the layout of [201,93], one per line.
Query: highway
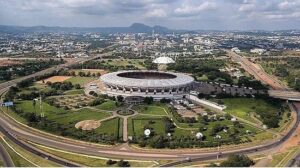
[5,157]
[17,131]
[256,71]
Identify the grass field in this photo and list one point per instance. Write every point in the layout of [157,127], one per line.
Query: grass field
[111,127]
[125,62]
[74,92]
[136,125]
[108,105]
[243,107]
[81,80]
[153,110]
[82,114]
[63,116]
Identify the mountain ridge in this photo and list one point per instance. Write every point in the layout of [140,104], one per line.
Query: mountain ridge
[133,28]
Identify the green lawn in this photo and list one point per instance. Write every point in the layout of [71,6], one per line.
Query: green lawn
[150,109]
[111,127]
[136,125]
[125,62]
[82,114]
[63,116]
[81,80]
[74,92]
[243,107]
[108,105]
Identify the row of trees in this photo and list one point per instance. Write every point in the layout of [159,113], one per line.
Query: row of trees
[27,68]
[80,73]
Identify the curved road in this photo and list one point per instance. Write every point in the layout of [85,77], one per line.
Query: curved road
[5,157]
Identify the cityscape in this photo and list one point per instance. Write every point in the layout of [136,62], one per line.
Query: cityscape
[158,83]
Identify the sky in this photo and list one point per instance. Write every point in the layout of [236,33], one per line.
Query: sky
[175,14]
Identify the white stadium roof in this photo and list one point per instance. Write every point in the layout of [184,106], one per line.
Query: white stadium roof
[163,60]
[114,79]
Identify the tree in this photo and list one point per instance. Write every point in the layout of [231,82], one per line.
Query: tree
[34,103]
[110,162]
[77,86]
[73,73]
[237,161]
[123,163]
[80,73]
[148,100]
[120,98]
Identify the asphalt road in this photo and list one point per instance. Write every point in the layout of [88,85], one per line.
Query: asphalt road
[259,74]
[5,157]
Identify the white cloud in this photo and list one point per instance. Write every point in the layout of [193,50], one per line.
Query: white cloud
[194,10]
[159,13]
[247,7]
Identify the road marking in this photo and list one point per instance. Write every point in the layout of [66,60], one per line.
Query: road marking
[84,155]
[18,153]
[138,154]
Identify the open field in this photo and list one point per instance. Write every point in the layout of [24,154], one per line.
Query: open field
[54,79]
[108,105]
[247,108]
[138,63]
[62,116]
[153,110]
[111,127]
[81,80]
[74,92]
[137,125]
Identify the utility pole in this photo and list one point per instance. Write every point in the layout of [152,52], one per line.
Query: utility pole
[41,106]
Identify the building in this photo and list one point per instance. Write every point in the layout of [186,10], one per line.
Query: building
[156,84]
[163,60]
[236,50]
[258,51]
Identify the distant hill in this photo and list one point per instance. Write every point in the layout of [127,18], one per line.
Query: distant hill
[134,28]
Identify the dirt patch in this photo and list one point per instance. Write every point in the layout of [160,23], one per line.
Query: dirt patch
[87,125]
[187,113]
[6,62]
[54,79]
[199,110]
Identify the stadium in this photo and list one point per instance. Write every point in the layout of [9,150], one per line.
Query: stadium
[156,84]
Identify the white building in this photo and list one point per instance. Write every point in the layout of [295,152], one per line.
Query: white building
[258,51]
[236,50]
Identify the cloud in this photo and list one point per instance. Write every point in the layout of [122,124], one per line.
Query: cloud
[189,10]
[195,14]
[158,13]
